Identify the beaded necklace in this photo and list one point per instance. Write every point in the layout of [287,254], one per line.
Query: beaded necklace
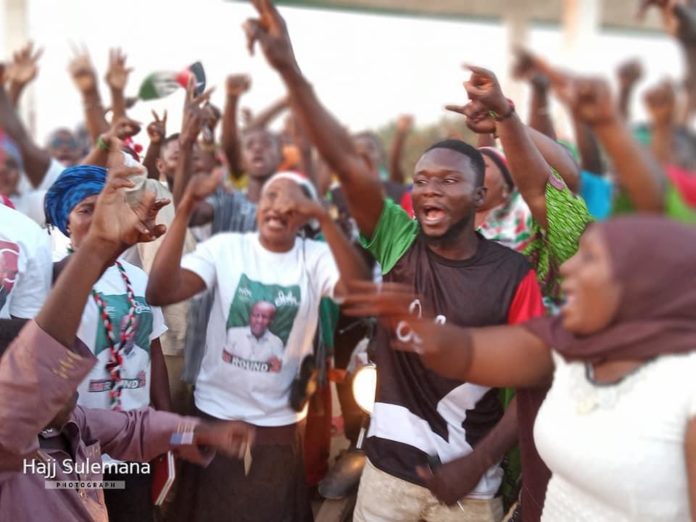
[116,348]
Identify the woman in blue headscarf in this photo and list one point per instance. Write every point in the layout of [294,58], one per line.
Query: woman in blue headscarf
[119,327]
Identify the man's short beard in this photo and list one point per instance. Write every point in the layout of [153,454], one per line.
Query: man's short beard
[452,233]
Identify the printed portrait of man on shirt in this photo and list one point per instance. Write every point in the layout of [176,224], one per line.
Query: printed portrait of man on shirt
[136,366]
[9,256]
[258,326]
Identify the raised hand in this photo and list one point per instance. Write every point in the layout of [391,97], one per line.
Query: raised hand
[193,100]
[591,100]
[192,125]
[194,113]
[157,129]
[388,301]
[404,123]
[117,73]
[483,87]
[211,116]
[523,65]
[24,66]
[477,116]
[237,84]
[272,34]
[115,224]
[122,128]
[247,116]
[82,71]
[660,101]
[202,186]
[540,81]
[629,73]
[525,68]
[293,201]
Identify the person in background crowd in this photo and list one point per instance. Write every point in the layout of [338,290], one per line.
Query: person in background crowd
[25,265]
[27,170]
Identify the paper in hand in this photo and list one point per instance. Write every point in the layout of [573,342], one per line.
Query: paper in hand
[247,460]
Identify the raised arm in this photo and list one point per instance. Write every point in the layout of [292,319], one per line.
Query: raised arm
[591,101]
[524,70]
[236,85]
[558,157]
[629,74]
[117,79]
[43,367]
[539,115]
[85,78]
[351,265]
[527,166]
[404,124]
[22,71]
[364,192]
[690,83]
[478,120]
[640,175]
[191,126]
[157,132]
[168,282]
[690,453]
[588,148]
[264,118]
[207,147]
[121,129]
[660,101]
[36,160]
[680,21]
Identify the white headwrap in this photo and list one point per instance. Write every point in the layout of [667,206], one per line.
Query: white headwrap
[302,182]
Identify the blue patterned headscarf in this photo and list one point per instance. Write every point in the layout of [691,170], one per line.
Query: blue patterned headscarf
[72,186]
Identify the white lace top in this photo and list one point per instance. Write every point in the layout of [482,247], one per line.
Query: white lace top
[617,451]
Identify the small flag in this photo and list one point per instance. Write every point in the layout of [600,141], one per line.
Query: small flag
[163,83]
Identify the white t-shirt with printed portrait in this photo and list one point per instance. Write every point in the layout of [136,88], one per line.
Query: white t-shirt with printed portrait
[233,383]
[25,265]
[135,372]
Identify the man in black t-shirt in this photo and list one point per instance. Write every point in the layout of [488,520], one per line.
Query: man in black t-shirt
[420,417]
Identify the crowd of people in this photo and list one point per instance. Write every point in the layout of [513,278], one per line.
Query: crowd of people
[195,296]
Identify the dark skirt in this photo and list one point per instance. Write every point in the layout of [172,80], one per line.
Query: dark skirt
[274,491]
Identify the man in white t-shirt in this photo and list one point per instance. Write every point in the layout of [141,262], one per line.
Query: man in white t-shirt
[253,344]
[25,265]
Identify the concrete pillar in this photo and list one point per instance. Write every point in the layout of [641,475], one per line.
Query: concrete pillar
[581,21]
[516,19]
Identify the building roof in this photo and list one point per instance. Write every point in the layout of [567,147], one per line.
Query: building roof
[615,14]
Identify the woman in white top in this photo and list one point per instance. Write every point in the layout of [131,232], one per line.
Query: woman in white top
[618,427]
[251,360]
[118,325]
